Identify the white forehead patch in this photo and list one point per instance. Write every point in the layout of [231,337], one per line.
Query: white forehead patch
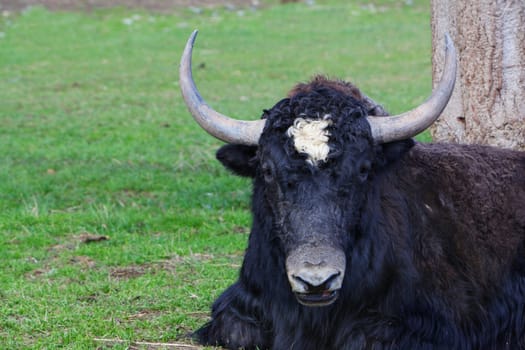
[311,137]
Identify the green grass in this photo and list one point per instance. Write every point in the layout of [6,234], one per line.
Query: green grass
[94,139]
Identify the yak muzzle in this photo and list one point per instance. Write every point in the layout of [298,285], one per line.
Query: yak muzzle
[316,274]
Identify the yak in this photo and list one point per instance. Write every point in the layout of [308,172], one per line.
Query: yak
[363,238]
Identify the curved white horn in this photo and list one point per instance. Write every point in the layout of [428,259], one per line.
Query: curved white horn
[408,124]
[215,123]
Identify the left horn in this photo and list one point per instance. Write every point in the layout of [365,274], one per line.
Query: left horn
[216,124]
[403,126]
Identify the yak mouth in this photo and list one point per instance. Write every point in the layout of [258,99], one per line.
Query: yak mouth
[324,298]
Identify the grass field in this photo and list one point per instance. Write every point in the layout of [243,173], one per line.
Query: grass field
[115,220]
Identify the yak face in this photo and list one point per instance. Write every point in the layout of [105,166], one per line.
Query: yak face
[312,169]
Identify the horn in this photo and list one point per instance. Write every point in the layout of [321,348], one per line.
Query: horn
[216,124]
[408,124]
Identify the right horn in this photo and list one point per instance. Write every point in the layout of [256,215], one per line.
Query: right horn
[216,124]
[411,123]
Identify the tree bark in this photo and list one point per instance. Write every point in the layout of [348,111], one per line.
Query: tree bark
[488,104]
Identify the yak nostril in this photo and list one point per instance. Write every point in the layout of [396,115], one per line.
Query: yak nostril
[315,283]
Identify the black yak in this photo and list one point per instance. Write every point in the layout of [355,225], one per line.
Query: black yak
[363,238]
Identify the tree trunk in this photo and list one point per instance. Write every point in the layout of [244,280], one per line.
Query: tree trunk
[488,104]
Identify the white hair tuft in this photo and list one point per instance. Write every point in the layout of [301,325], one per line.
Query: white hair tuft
[311,137]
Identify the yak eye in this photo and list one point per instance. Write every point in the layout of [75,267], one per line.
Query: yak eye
[364,169]
[268,172]
[290,183]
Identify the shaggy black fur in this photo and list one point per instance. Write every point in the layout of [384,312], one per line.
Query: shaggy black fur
[434,236]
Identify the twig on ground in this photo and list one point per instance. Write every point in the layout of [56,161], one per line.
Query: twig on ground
[150,345]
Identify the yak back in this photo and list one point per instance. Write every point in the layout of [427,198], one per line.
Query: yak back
[467,211]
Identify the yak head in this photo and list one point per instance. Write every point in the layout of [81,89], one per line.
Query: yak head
[311,168]
[313,156]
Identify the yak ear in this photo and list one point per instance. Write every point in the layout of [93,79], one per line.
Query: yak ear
[239,159]
[395,150]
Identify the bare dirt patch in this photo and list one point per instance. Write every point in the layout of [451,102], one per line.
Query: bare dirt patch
[171,264]
[152,5]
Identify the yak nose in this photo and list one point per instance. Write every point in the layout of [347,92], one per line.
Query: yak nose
[316,273]
[315,279]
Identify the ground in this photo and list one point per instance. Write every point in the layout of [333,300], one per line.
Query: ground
[155,5]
